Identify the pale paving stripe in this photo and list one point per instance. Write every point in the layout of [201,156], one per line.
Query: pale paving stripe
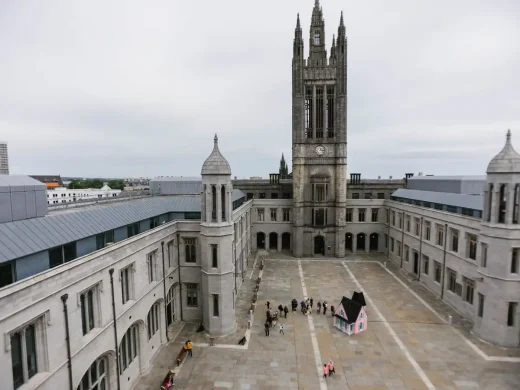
[407,353]
[314,340]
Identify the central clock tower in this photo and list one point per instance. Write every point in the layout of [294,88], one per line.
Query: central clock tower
[319,138]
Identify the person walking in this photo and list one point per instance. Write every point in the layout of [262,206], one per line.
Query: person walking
[285,310]
[189,347]
[324,307]
[325,371]
[319,306]
[332,309]
[311,302]
[281,329]
[266,326]
[331,368]
[268,303]
[280,310]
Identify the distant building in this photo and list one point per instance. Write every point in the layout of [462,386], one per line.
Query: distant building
[66,195]
[4,159]
[51,181]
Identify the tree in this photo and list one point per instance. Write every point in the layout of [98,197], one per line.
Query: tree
[117,184]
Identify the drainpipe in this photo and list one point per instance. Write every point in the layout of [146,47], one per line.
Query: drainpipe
[64,298]
[444,259]
[179,272]
[111,272]
[420,250]
[164,292]
[402,241]
[235,271]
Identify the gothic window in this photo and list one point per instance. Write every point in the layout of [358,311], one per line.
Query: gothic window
[128,347]
[191,253]
[361,215]
[223,200]
[330,112]
[349,215]
[490,202]
[214,256]
[192,294]
[319,112]
[317,37]
[502,204]
[319,217]
[320,192]
[96,376]
[308,112]
[213,203]
[153,320]
[516,202]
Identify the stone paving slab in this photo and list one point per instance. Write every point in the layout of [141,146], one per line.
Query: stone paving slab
[369,360]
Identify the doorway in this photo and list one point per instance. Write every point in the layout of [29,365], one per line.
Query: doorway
[273,241]
[348,241]
[319,245]
[260,240]
[415,262]
[374,242]
[361,241]
[286,241]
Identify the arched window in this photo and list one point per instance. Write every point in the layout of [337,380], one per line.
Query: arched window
[516,202]
[96,376]
[153,320]
[214,255]
[128,348]
[490,202]
[502,202]
[317,37]
[213,203]
[223,200]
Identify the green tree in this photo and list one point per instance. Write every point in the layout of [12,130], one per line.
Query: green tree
[117,184]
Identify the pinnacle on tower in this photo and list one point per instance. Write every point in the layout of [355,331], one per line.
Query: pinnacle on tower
[298,21]
[341,20]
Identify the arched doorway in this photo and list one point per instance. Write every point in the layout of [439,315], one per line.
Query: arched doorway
[374,242]
[361,242]
[286,241]
[96,376]
[260,240]
[170,305]
[319,245]
[349,241]
[273,241]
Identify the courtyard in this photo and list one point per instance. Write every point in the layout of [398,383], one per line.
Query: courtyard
[408,344]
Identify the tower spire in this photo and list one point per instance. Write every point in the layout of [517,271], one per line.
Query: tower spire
[298,21]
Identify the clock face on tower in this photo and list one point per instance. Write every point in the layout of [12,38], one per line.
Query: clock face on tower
[320,150]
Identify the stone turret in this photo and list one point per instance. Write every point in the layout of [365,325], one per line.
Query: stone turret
[498,283]
[216,240]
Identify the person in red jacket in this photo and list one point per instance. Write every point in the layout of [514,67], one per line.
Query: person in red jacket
[325,370]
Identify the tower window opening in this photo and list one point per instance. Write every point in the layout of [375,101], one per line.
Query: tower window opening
[516,202]
[317,38]
[223,200]
[502,204]
[490,202]
[213,204]
[308,112]
[319,112]
[330,112]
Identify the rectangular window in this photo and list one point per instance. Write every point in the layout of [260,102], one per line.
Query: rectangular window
[273,215]
[349,215]
[454,240]
[472,246]
[190,246]
[438,271]
[452,280]
[361,215]
[154,222]
[151,262]
[417,230]
[393,218]
[481,299]
[406,253]
[427,230]
[69,251]
[24,354]
[399,248]
[132,230]
[400,220]
[170,247]
[104,238]
[215,305]
[55,256]
[308,112]
[192,294]
[274,195]
[374,214]
[440,234]
[286,215]
[368,195]
[469,290]
[407,223]
[320,193]
[380,195]
[514,261]
[249,195]
[319,217]
[126,283]
[426,264]
[483,256]
[214,255]
[511,313]
[153,320]
[6,274]
[261,195]
[89,306]
[261,215]
[319,112]
[391,244]
[355,195]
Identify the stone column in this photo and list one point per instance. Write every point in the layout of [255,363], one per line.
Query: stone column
[486,210]
[354,243]
[494,203]
[367,243]
[266,241]
[510,204]
[279,242]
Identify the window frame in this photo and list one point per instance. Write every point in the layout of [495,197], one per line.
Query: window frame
[126,279]
[192,294]
[153,320]
[90,309]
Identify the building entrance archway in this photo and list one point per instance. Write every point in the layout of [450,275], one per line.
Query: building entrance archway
[361,241]
[260,240]
[349,242]
[319,245]
[273,241]
[374,242]
[286,241]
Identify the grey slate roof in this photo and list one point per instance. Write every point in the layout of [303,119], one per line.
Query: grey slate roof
[454,178]
[236,195]
[216,164]
[507,161]
[474,202]
[10,183]
[22,238]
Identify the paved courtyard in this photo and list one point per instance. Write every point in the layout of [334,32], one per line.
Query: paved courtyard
[408,344]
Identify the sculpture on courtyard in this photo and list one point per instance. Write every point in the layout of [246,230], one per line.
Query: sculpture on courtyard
[350,316]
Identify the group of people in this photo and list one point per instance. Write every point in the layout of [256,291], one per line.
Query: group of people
[307,304]
[272,317]
[328,369]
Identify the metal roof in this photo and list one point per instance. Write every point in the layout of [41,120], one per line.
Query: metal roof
[9,183]
[474,202]
[22,238]
[176,178]
[454,178]
[236,195]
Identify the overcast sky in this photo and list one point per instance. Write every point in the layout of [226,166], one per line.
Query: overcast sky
[120,89]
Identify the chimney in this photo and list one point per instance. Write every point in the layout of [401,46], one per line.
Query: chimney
[390,177]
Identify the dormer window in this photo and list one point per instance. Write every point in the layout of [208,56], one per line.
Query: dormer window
[317,37]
